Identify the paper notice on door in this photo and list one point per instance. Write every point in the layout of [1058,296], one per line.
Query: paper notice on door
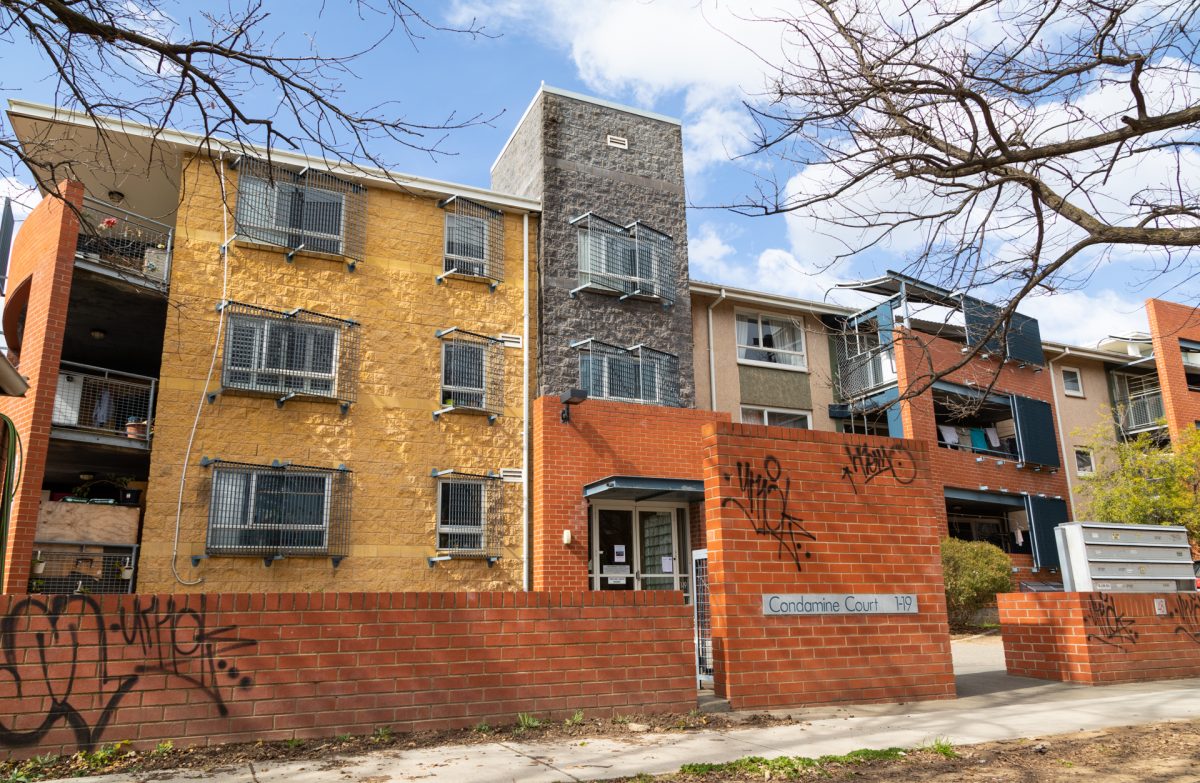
[668,565]
[616,580]
[619,553]
[615,569]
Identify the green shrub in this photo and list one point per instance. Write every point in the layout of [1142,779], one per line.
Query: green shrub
[974,572]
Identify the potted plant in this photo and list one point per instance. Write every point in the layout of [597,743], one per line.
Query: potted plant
[127,570]
[37,585]
[39,563]
[136,428]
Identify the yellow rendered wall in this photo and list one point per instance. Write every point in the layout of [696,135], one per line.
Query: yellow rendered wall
[388,439]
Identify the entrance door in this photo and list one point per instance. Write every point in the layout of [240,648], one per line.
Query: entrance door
[615,542]
[704,654]
[658,557]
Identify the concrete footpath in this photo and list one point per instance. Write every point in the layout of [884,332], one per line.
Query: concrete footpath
[991,706]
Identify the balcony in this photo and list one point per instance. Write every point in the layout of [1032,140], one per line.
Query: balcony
[122,244]
[82,568]
[98,405]
[862,373]
[1140,412]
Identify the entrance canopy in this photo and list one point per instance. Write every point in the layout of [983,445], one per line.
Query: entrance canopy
[642,488]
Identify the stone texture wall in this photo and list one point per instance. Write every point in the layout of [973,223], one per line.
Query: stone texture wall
[388,438]
[581,173]
[518,169]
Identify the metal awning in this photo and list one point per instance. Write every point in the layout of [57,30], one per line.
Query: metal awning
[894,283]
[640,488]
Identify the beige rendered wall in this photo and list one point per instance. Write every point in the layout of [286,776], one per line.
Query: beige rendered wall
[1078,417]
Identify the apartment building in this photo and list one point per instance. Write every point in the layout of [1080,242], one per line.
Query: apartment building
[255,371]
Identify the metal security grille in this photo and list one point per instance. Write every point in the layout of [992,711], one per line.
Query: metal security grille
[293,353]
[863,364]
[703,609]
[82,568]
[633,260]
[474,240]
[301,210]
[278,509]
[470,514]
[636,374]
[104,401]
[125,241]
[472,372]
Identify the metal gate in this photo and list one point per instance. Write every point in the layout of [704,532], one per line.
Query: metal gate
[704,659]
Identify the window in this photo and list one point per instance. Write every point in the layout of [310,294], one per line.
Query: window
[472,372]
[637,374]
[1083,462]
[1072,382]
[771,340]
[474,244]
[460,515]
[309,210]
[1191,364]
[777,417]
[631,261]
[259,509]
[281,356]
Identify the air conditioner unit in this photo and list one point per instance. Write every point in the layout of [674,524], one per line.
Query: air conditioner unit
[67,398]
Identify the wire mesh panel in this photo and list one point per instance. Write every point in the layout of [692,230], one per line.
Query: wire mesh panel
[297,352]
[104,401]
[632,260]
[474,240]
[703,608]
[65,568]
[125,241]
[301,210]
[863,364]
[637,374]
[278,510]
[470,514]
[472,372]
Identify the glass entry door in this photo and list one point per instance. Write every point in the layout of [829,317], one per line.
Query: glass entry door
[638,548]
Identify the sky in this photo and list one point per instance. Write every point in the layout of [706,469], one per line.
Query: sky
[697,60]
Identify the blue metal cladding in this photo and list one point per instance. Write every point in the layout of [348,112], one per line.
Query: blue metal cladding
[980,317]
[1035,432]
[1025,340]
[1045,514]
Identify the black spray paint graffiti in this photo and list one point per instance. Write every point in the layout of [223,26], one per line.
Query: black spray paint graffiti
[46,656]
[868,462]
[1112,627]
[758,489]
[1188,615]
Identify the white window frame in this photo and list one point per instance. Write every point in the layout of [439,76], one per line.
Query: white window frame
[272,201]
[483,379]
[604,359]
[1091,462]
[681,533]
[1078,376]
[248,522]
[449,529]
[483,262]
[262,326]
[768,411]
[797,321]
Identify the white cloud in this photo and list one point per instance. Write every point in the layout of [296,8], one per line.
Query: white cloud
[1083,317]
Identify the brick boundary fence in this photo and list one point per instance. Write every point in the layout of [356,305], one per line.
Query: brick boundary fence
[1100,638]
[77,671]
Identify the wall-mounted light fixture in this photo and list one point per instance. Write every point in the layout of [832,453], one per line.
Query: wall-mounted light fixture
[569,398]
[567,537]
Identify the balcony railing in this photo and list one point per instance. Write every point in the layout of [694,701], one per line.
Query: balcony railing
[1140,411]
[82,568]
[102,401]
[864,372]
[135,246]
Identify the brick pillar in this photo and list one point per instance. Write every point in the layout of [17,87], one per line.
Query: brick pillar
[43,257]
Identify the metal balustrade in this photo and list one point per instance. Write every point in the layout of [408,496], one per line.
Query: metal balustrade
[635,374]
[82,568]
[864,372]
[133,245]
[1140,411]
[630,261]
[99,400]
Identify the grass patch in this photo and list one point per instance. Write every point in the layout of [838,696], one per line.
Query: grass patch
[790,766]
[942,747]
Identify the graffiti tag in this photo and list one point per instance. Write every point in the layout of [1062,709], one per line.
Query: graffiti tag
[1188,615]
[51,645]
[1112,627]
[759,489]
[869,462]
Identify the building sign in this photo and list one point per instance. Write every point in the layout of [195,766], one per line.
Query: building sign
[840,603]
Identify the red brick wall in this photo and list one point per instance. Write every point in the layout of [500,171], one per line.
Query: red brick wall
[870,533]
[43,258]
[1100,638]
[197,669]
[1170,321]
[602,439]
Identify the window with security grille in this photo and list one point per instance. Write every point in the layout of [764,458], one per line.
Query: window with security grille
[269,510]
[285,353]
[469,514]
[632,261]
[770,340]
[637,374]
[472,371]
[474,240]
[306,210]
